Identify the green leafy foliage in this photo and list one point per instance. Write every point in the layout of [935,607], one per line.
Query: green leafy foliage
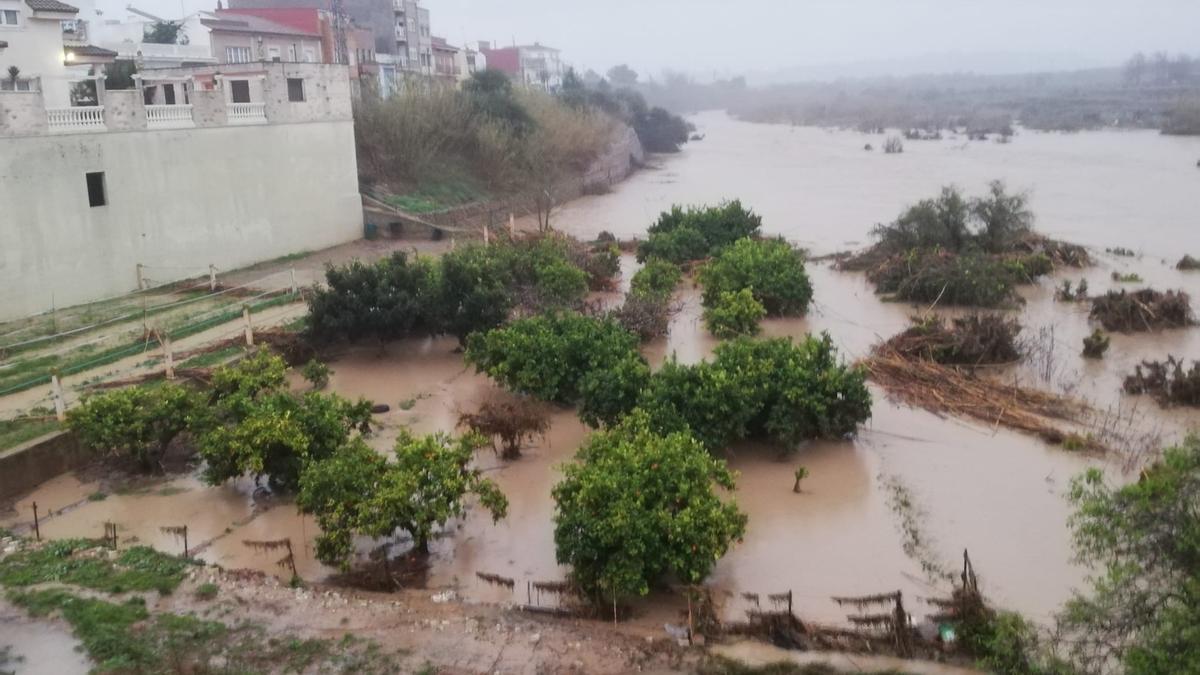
[968,280]
[136,423]
[357,492]
[257,427]
[657,278]
[733,314]
[388,299]
[638,506]
[1143,539]
[316,373]
[1006,643]
[71,561]
[551,356]
[682,235]
[775,390]
[771,269]
[951,222]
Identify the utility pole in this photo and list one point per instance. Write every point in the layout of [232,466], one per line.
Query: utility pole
[340,53]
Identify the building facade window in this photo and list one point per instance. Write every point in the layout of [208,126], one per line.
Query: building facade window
[9,17]
[309,55]
[292,53]
[273,53]
[95,189]
[239,91]
[295,87]
[237,55]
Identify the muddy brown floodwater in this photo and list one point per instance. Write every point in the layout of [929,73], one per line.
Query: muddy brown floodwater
[963,485]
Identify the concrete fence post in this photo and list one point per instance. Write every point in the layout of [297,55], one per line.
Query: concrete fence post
[141,277]
[212,278]
[60,405]
[294,289]
[249,326]
[168,355]
[487,238]
[512,225]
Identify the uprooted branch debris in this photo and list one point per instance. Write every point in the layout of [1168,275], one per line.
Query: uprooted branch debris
[1169,382]
[973,340]
[1142,310]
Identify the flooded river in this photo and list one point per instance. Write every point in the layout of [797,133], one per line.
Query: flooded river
[963,485]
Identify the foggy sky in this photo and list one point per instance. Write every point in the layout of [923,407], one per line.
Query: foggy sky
[728,37]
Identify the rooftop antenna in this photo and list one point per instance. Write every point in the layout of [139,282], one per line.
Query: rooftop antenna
[339,33]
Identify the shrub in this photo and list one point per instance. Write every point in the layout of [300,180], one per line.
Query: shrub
[1188,263]
[513,419]
[893,145]
[1170,382]
[639,506]
[1095,345]
[356,492]
[734,314]
[970,280]
[681,235]
[608,393]
[255,426]
[774,390]
[646,316]
[137,423]
[973,340]
[1142,310]
[316,373]
[389,299]
[656,278]
[475,291]
[771,269]
[548,356]
[660,131]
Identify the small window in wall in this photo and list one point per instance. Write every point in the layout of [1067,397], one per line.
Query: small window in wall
[295,87]
[273,53]
[169,94]
[148,95]
[309,55]
[239,90]
[8,17]
[95,188]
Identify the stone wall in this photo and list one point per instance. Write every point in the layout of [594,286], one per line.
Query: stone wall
[22,112]
[123,110]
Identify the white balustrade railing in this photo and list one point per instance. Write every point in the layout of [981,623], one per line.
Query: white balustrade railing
[75,118]
[246,113]
[169,116]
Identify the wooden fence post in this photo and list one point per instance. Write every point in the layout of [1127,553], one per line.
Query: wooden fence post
[249,326]
[37,528]
[512,225]
[60,405]
[168,354]
[212,278]
[487,238]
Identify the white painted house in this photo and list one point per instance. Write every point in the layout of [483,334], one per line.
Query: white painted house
[226,165]
[46,42]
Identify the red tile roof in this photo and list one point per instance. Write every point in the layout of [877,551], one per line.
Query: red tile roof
[301,18]
[51,6]
[235,21]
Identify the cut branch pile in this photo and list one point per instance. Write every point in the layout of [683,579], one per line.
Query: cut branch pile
[1143,310]
[513,419]
[962,392]
[977,339]
[1169,382]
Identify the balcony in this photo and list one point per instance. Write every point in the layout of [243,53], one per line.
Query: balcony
[246,113]
[75,118]
[169,117]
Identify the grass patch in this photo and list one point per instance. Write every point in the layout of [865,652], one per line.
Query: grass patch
[16,432]
[126,638]
[1130,278]
[74,561]
[207,591]
[212,358]
[437,196]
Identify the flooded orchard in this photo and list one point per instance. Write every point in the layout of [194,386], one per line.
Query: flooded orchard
[892,509]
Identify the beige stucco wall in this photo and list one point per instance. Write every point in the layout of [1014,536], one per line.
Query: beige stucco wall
[261,51]
[227,196]
[22,112]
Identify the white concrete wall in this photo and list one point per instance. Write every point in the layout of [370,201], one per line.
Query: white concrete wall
[228,196]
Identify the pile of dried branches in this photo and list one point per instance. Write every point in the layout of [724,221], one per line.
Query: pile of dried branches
[963,392]
[973,340]
[513,419]
[1142,310]
[1169,382]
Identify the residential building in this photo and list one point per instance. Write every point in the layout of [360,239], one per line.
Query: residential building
[45,41]
[238,36]
[445,61]
[470,61]
[222,165]
[376,16]
[414,42]
[534,65]
[128,38]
